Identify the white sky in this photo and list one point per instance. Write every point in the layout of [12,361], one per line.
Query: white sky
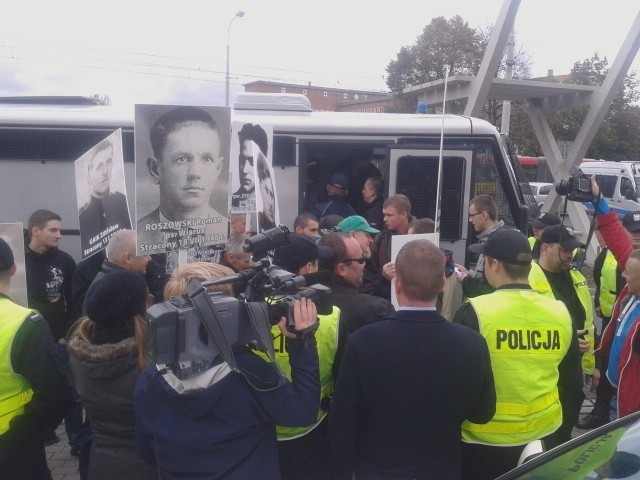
[141,51]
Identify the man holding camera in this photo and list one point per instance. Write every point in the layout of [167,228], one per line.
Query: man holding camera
[609,283]
[618,352]
[304,452]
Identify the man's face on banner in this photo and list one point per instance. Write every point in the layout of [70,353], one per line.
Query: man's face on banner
[100,172]
[189,167]
[247,182]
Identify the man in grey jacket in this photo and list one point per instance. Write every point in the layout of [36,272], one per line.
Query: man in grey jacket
[483,215]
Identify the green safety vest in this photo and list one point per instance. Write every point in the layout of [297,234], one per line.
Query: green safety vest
[327,341]
[15,391]
[528,335]
[608,284]
[538,281]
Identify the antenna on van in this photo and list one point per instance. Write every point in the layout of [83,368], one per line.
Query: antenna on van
[440,163]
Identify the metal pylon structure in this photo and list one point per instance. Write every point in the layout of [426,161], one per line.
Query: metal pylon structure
[540,97]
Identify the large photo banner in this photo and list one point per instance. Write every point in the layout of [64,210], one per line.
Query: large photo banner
[101,195]
[248,142]
[182,176]
[12,234]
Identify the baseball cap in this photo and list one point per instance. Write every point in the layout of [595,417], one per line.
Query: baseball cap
[340,180]
[545,220]
[560,234]
[506,245]
[6,256]
[631,221]
[356,223]
[298,251]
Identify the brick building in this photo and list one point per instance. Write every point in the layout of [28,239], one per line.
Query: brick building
[329,99]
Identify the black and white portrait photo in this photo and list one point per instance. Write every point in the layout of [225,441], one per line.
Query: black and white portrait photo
[266,196]
[182,172]
[251,139]
[101,194]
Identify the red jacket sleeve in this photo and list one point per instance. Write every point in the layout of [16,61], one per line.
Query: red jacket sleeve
[615,237]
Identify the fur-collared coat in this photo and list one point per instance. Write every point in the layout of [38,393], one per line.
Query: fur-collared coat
[105,376]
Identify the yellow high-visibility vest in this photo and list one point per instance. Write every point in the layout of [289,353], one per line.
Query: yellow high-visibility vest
[608,284]
[539,282]
[327,342]
[528,335]
[15,390]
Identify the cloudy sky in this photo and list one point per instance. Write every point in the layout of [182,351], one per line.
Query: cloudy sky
[140,51]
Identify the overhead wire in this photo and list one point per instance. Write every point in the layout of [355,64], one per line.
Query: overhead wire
[16,46]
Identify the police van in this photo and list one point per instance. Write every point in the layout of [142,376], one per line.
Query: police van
[619,183]
[41,138]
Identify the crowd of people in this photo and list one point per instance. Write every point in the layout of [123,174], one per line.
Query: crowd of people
[362,389]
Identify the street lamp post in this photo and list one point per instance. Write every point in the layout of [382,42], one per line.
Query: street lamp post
[226,97]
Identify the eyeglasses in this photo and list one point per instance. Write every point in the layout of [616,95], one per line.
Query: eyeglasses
[360,260]
[471,215]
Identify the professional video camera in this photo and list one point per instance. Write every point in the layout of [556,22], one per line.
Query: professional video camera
[577,187]
[189,333]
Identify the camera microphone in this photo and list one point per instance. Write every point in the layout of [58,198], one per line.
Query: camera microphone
[268,240]
[307,279]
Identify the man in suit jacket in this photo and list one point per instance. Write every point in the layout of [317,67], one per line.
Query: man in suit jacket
[407,383]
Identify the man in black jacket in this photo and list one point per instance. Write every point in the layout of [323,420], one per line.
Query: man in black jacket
[49,273]
[347,266]
[407,377]
[36,389]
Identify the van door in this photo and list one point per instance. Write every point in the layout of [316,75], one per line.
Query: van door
[414,172]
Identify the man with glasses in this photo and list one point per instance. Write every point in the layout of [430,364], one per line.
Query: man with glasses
[346,266]
[483,215]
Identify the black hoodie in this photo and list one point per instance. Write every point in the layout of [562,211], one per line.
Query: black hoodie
[49,288]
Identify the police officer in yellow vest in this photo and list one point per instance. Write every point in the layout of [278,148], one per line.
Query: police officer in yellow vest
[531,343]
[554,277]
[305,452]
[609,282]
[35,390]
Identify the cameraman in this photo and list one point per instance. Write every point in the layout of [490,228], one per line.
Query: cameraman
[214,425]
[305,451]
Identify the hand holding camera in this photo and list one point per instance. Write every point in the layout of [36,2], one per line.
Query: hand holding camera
[305,316]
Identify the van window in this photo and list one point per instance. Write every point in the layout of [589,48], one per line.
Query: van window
[418,179]
[544,190]
[626,188]
[485,179]
[607,184]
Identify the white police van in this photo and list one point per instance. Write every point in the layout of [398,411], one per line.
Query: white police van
[619,183]
[41,138]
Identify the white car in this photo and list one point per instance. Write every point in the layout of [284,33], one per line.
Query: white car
[540,190]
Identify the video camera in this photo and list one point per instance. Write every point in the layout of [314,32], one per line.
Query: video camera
[190,332]
[577,187]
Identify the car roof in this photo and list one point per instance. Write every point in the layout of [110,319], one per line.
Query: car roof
[578,456]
